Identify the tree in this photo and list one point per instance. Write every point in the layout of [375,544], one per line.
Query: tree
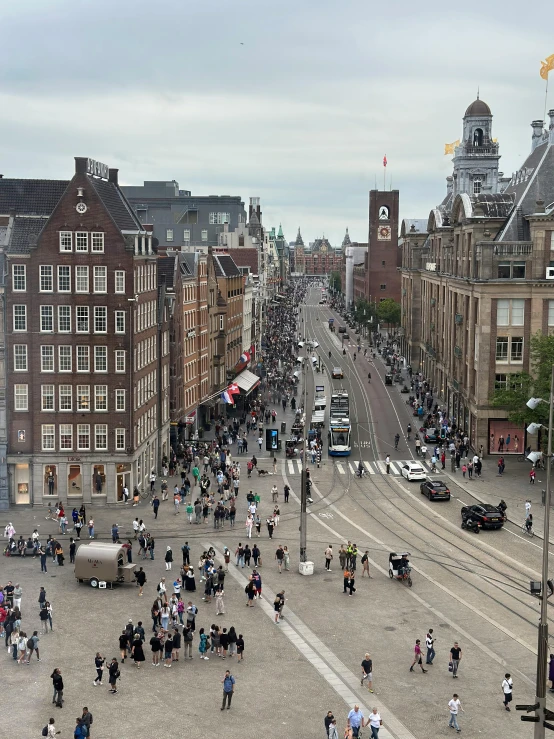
[389,312]
[335,282]
[521,385]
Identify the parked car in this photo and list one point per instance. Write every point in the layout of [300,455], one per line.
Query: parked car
[337,373]
[431,435]
[489,516]
[413,471]
[435,490]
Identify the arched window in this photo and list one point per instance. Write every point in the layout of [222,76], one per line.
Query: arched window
[478,137]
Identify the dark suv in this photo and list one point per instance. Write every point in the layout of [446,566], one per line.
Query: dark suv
[435,490]
[489,516]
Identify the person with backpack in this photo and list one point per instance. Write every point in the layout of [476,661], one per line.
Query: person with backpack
[50,729]
[32,646]
[80,730]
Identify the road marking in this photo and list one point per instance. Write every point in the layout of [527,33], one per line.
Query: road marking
[341,468]
[369,468]
[393,468]
[352,468]
[291,467]
[336,673]
[442,616]
[382,467]
[461,501]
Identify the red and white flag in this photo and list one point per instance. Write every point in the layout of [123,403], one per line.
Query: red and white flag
[385,161]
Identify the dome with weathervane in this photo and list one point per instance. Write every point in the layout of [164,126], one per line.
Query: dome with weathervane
[478,108]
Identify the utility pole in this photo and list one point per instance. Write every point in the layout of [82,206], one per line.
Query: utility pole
[303,476]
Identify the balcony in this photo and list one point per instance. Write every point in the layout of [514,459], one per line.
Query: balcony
[485,150]
[458,318]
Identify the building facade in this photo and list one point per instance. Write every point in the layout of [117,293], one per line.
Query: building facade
[480,282]
[320,258]
[384,256]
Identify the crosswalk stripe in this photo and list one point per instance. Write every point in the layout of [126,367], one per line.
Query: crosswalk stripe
[291,467]
[382,467]
[299,463]
[393,467]
[352,468]
[341,468]
[369,468]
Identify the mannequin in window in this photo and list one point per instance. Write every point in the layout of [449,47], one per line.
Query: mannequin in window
[478,137]
[50,482]
[98,482]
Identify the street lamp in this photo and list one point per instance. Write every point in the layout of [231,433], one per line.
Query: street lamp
[541,712]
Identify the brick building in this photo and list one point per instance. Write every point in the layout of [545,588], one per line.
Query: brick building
[320,258]
[384,256]
[85,375]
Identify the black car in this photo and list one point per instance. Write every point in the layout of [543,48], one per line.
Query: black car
[489,516]
[431,435]
[435,490]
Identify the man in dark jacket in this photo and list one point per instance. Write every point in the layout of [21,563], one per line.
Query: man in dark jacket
[114,674]
[57,682]
[86,719]
[141,579]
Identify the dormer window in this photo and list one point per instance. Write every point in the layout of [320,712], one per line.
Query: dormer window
[477,184]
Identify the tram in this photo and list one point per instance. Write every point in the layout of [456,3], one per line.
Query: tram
[339,426]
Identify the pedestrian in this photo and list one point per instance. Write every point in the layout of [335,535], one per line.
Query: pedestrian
[507,688]
[86,720]
[454,706]
[455,658]
[50,729]
[278,605]
[57,682]
[328,557]
[137,652]
[279,556]
[203,645]
[228,689]
[355,720]
[429,643]
[17,595]
[99,662]
[365,563]
[367,672]
[32,646]
[155,505]
[219,602]
[329,718]
[332,732]
[532,475]
[286,491]
[72,550]
[168,650]
[240,648]
[375,722]
[168,558]
[79,732]
[274,494]
[287,557]
[114,674]
[387,463]
[270,526]
[417,657]
[42,554]
[141,579]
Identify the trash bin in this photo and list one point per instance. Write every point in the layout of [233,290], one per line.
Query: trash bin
[283,427]
[278,445]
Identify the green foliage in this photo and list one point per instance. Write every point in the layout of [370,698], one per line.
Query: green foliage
[522,386]
[389,312]
[335,283]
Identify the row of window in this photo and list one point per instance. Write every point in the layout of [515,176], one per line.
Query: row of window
[80,241]
[65,358]
[145,315]
[145,277]
[169,234]
[509,349]
[63,274]
[79,437]
[65,398]
[220,218]
[145,352]
[145,425]
[145,389]
[83,315]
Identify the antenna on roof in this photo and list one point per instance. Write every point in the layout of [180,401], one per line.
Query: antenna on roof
[477,92]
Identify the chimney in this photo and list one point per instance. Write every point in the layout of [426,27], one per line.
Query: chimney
[551,127]
[112,176]
[81,165]
[539,206]
[537,127]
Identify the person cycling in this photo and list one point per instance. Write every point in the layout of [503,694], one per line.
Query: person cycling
[529,523]
[329,354]
[360,472]
[502,506]
[344,352]
[354,356]
[365,352]
[396,440]
[369,376]
[409,430]
[424,452]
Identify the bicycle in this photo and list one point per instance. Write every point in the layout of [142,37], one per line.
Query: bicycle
[527,529]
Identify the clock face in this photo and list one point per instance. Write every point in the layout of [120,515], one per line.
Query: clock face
[81,207]
[323,249]
[384,233]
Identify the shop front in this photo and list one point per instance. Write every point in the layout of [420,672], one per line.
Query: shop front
[505,437]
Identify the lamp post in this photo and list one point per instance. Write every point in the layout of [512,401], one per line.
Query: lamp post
[542,648]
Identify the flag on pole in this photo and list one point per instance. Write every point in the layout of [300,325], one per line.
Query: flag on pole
[547,66]
[449,148]
[385,161]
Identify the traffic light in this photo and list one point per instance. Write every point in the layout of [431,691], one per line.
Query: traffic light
[443,432]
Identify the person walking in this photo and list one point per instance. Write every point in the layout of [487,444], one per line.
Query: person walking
[367,672]
[280,556]
[86,720]
[387,463]
[51,729]
[328,557]
[228,689]
[429,643]
[417,657]
[365,563]
[507,688]
[99,662]
[454,706]
[168,558]
[532,475]
[355,720]
[332,731]
[114,674]
[455,658]
[375,722]
[141,579]
[57,682]
[286,491]
[155,505]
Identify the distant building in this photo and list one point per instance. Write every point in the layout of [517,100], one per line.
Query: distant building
[320,258]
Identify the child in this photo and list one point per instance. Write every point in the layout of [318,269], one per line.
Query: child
[240,648]
[203,645]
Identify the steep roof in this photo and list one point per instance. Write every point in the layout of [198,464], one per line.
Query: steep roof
[30,197]
[533,181]
[225,266]
[166,270]
[25,233]
[246,257]
[419,226]
[116,204]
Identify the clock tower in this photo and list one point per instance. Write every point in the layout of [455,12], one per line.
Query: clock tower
[384,258]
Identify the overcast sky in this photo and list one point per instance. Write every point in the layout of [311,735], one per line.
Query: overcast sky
[295,102]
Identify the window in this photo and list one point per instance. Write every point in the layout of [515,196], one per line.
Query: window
[100,319]
[119,281]
[101,436]
[64,319]
[81,241]
[220,218]
[20,357]
[65,363]
[82,319]
[100,279]
[21,397]
[66,243]
[551,312]
[186,234]
[120,360]
[83,359]
[83,436]
[100,358]
[19,278]
[47,437]
[47,397]
[501,348]
[477,187]
[120,439]
[100,397]
[120,321]
[64,278]
[81,279]
[47,318]
[65,393]
[510,312]
[46,282]
[83,397]
[221,322]
[97,242]
[501,382]
[46,358]
[383,287]
[516,349]
[120,400]
[20,318]
[169,234]
[511,270]
[204,234]
[66,436]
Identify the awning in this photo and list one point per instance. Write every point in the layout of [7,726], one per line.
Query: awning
[247,381]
